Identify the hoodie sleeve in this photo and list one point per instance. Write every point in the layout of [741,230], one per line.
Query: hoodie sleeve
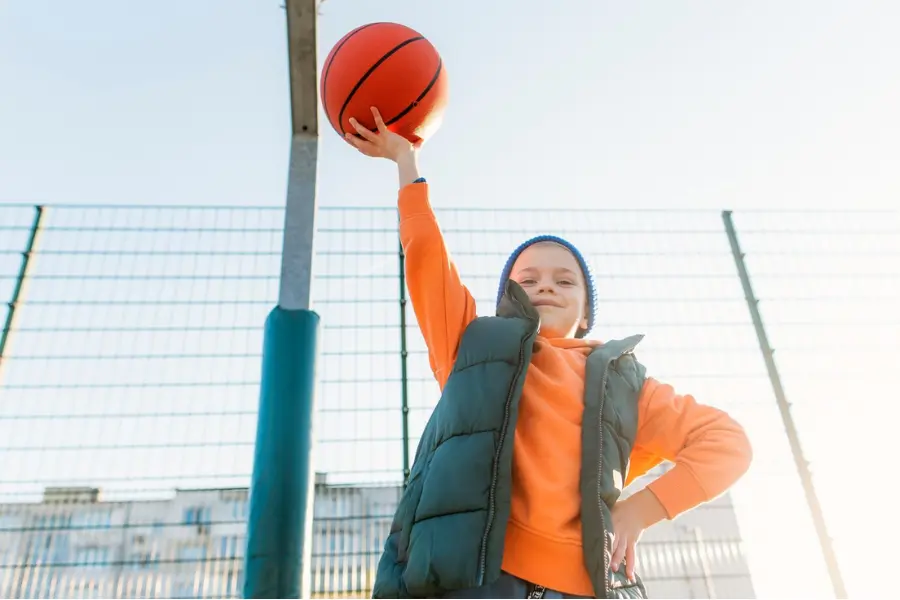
[710,450]
[444,307]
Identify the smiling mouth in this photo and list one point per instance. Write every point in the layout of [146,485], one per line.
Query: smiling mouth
[545,303]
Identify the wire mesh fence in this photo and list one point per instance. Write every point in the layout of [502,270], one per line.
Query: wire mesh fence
[130,371]
[829,287]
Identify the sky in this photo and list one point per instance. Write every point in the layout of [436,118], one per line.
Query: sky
[593,105]
[668,104]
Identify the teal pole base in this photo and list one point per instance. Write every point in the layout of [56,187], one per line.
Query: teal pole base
[281,491]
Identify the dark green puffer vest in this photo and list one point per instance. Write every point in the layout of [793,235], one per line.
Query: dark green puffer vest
[449,528]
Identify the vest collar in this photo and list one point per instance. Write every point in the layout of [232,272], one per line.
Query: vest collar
[514,303]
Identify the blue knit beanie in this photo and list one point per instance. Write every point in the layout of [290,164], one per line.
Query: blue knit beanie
[590,288]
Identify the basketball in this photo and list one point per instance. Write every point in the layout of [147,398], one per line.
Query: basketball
[388,66]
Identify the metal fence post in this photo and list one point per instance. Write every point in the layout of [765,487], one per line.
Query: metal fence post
[784,407]
[18,293]
[704,563]
[404,376]
[279,530]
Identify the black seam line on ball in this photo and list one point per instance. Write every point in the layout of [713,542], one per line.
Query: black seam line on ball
[422,95]
[331,62]
[371,70]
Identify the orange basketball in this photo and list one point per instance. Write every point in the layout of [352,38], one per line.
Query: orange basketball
[388,66]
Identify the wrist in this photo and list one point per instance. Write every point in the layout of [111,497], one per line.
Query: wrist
[407,167]
[406,156]
[649,508]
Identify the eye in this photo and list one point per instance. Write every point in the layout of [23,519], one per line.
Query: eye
[527,281]
[566,282]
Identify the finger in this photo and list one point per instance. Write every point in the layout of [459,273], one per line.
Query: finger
[360,144]
[379,122]
[365,133]
[630,561]
[618,553]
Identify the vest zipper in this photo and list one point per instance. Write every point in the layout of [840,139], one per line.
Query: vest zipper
[537,591]
[493,488]
[606,549]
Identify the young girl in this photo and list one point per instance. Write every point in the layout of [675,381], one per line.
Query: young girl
[515,485]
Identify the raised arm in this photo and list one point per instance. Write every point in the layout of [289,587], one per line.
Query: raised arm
[444,307]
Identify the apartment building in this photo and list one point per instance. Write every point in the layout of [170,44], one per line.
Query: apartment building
[74,544]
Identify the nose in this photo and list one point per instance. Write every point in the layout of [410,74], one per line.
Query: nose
[546,287]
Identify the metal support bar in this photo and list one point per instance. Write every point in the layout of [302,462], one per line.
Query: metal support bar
[18,294]
[279,530]
[784,407]
[300,208]
[686,565]
[404,379]
[299,226]
[704,563]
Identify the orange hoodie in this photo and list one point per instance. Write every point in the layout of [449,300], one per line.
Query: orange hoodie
[543,539]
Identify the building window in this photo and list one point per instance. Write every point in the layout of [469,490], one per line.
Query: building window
[92,556]
[239,510]
[47,523]
[92,519]
[228,547]
[233,583]
[61,548]
[197,515]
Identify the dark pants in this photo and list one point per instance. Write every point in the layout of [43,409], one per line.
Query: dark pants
[509,586]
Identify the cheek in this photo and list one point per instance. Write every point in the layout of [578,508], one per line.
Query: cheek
[576,298]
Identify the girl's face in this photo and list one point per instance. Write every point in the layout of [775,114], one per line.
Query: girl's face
[555,284]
